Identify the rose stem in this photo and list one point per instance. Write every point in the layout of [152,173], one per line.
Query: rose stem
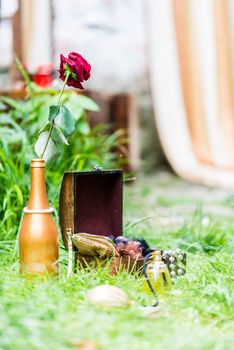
[52,123]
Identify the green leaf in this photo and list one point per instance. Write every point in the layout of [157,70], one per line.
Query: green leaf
[6,119]
[26,78]
[52,151]
[43,90]
[54,110]
[79,113]
[22,71]
[83,127]
[2,106]
[85,102]
[12,103]
[65,121]
[12,136]
[44,128]
[19,194]
[58,136]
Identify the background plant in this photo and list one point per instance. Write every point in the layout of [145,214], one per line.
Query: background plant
[20,121]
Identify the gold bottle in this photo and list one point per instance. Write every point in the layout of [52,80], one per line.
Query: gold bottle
[157,273]
[38,238]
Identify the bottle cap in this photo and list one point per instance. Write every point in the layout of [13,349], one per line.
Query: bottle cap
[158,255]
[37,163]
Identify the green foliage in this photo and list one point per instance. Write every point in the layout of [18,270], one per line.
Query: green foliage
[196,236]
[19,124]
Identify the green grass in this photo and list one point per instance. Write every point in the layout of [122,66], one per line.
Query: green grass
[196,314]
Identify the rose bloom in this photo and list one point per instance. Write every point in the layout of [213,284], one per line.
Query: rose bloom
[78,67]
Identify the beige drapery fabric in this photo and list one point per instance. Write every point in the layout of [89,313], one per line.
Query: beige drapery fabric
[36,33]
[192,78]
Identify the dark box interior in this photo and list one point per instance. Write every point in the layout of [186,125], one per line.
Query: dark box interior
[98,202]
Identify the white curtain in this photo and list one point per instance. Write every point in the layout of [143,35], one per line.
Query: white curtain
[192,78]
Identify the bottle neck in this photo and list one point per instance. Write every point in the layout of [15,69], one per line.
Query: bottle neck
[157,256]
[38,197]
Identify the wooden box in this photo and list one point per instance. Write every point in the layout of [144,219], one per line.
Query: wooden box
[115,264]
[91,202]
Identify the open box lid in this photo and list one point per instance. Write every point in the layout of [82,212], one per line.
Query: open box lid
[91,202]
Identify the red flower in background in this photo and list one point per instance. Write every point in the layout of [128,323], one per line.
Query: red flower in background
[77,67]
[43,76]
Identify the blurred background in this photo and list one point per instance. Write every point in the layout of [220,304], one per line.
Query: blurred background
[163,77]
[161,70]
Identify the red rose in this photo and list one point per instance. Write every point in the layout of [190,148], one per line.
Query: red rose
[78,68]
